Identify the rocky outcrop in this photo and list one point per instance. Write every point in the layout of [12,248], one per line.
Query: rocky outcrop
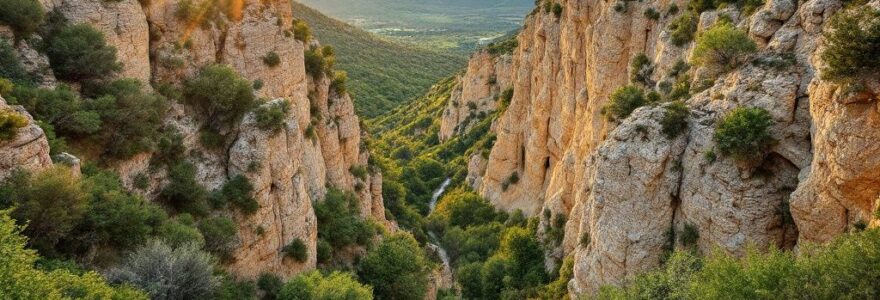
[628,190]
[28,151]
[476,93]
[167,42]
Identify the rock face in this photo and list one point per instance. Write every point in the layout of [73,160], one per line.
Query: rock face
[476,93]
[290,169]
[628,190]
[28,151]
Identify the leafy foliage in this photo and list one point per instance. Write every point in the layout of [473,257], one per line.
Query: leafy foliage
[744,133]
[723,46]
[682,29]
[10,122]
[296,250]
[624,101]
[168,273]
[10,66]
[272,59]
[334,286]
[236,191]
[80,53]
[220,236]
[339,221]
[853,37]
[220,95]
[674,120]
[396,268]
[271,116]
[183,192]
[24,16]
[846,268]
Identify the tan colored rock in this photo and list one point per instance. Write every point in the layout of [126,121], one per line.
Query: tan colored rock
[29,150]
[476,93]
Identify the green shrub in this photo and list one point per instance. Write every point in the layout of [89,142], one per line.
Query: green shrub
[24,278]
[131,119]
[723,46]
[359,172]
[674,120]
[334,286]
[624,101]
[463,209]
[220,95]
[61,107]
[183,192]
[688,235]
[168,273]
[506,46]
[652,13]
[640,70]
[505,97]
[220,236]
[10,66]
[301,31]
[296,250]
[24,16]
[396,268]
[557,9]
[80,53]
[51,203]
[271,285]
[744,133]
[180,232]
[682,29]
[339,221]
[10,122]
[853,39]
[170,149]
[236,191]
[271,116]
[338,83]
[231,289]
[323,250]
[272,59]
[319,61]
[585,239]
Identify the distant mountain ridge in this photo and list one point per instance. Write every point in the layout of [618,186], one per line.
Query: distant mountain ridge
[382,73]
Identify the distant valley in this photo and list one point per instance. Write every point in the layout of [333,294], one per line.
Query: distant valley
[458,25]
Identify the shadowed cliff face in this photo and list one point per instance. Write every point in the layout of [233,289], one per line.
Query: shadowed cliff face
[319,143]
[631,190]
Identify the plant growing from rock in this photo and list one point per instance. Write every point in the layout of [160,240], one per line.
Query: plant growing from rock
[296,250]
[80,53]
[24,16]
[10,122]
[723,46]
[853,41]
[623,102]
[674,120]
[744,133]
[221,96]
[271,116]
[272,59]
[682,29]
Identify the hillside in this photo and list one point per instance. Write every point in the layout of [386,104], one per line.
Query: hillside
[460,26]
[382,73]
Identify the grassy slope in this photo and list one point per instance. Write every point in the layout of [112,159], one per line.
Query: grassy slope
[382,74]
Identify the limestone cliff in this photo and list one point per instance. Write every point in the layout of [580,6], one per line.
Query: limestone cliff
[476,93]
[168,42]
[627,190]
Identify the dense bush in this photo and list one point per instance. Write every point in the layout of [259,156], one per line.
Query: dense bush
[62,108]
[682,29]
[10,122]
[50,202]
[506,46]
[846,268]
[221,236]
[652,13]
[271,116]
[334,286]
[359,171]
[723,46]
[689,235]
[853,40]
[297,250]
[624,101]
[744,133]
[557,9]
[221,96]
[474,244]
[10,66]
[20,279]
[181,231]
[339,221]
[183,192]
[231,289]
[237,191]
[131,119]
[272,59]
[79,53]
[674,120]
[462,209]
[640,70]
[24,16]
[319,61]
[271,286]
[396,268]
[301,31]
[338,83]
[168,273]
